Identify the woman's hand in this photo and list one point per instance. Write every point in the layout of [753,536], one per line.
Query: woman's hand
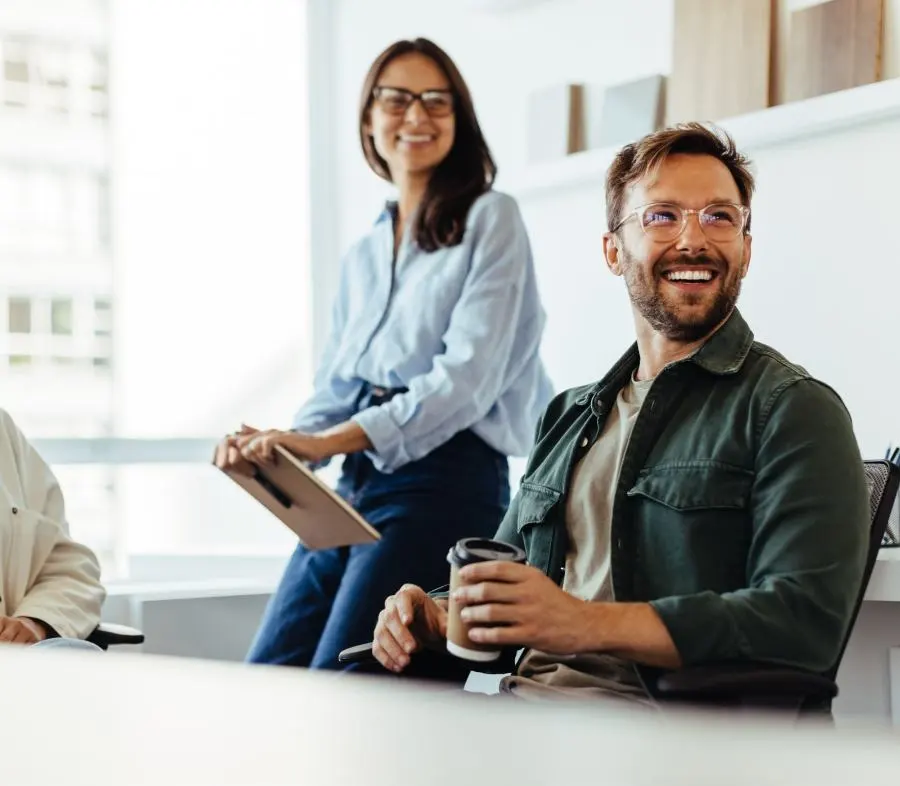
[228,453]
[259,447]
[249,446]
[21,630]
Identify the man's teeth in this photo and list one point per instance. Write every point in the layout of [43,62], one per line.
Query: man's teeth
[689,275]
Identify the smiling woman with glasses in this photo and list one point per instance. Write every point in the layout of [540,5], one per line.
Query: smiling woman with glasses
[431,376]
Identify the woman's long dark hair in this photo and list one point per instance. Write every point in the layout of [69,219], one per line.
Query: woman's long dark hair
[466,172]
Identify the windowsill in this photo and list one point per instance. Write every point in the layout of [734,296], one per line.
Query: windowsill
[182,589]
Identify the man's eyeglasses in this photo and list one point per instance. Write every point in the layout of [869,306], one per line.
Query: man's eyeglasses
[397,100]
[664,221]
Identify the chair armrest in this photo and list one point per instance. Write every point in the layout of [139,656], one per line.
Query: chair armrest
[361,653]
[107,634]
[750,680]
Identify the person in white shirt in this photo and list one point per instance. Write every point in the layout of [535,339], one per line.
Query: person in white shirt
[50,590]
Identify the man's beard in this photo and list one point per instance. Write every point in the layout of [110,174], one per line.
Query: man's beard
[663,317]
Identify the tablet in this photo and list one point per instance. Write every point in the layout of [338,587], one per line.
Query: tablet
[310,509]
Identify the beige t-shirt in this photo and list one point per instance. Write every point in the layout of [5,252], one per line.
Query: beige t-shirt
[587,575]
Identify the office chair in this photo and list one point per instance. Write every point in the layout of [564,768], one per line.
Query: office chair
[106,635]
[737,684]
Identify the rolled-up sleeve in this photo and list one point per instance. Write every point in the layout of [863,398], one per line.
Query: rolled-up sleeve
[66,592]
[466,379]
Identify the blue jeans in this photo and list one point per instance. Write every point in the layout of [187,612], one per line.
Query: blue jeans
[330,599]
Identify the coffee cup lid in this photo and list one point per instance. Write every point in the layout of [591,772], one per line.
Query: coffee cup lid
[469,550]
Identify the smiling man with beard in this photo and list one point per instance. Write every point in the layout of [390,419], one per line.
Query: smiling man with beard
[705,502]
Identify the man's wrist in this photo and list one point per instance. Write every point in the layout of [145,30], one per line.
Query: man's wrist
[594,627]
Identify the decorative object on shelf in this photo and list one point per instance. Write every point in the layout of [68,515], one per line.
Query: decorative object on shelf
[722,59]
[555,122]
[833,46]
[619,114]
[857,108]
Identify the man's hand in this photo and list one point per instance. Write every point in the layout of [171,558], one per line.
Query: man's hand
[531,611]
[19,630]
[409,621]
[528,608]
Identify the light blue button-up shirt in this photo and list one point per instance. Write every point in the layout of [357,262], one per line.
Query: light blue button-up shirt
[461,330]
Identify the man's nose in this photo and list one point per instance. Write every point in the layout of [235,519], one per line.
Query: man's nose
[692,240]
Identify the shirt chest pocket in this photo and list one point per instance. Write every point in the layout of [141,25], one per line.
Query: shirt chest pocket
[691,525]
[535,506]
[686,487]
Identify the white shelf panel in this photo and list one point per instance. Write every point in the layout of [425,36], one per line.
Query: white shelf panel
[885,582]
[779,124]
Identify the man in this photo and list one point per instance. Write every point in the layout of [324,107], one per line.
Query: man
[706,498]
[50,590]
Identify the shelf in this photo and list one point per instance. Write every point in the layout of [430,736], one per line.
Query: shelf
[785,123]
[885,582]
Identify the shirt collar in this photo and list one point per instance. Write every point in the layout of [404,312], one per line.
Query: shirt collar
[723,353]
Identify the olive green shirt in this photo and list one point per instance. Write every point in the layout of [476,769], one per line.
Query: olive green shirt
[740,512]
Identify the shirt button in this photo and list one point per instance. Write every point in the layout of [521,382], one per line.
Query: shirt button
[584,442]
[15,511]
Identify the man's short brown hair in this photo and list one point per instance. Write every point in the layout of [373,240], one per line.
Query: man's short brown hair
[644,157]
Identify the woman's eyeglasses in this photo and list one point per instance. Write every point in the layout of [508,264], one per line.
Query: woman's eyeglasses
[397,100]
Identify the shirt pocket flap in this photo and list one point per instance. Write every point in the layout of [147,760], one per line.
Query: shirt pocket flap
[535,503]
[695,486]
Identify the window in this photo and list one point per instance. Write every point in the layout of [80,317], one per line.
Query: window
[19,315]
[53,69]
[61,317]
[102,317]
[98,98]
[16,74]
[125,299]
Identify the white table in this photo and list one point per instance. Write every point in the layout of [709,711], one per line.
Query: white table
[74,718]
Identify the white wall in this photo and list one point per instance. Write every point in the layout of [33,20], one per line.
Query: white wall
[824,279]
[798,295]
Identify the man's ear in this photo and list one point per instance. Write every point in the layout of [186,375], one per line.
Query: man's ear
[611,253]
[745,256]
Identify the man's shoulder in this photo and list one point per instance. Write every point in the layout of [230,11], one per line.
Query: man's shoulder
[772,374]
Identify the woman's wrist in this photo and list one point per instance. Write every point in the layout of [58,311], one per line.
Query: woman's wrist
[347,437]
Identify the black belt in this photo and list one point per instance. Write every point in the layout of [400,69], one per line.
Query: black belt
[374,395]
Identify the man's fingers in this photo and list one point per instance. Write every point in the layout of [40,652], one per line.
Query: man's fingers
[502,635]
[403,603]
[490,614]
[495,571]
[383,658]
[487,592]
[391,652]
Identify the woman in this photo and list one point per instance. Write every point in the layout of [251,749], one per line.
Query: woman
[50,590]
[431,375]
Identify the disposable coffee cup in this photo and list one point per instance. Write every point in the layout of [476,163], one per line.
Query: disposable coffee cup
[466,552]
